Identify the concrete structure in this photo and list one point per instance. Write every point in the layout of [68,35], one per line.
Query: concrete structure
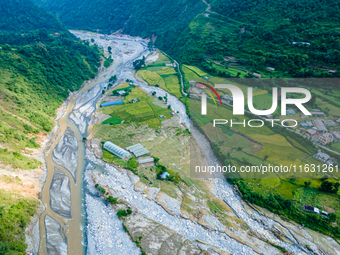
[329,123]
[116,150]
[326,138]
[319,125]
[318,114]
[111,103]
[290,112]
[323,157]
[311,132]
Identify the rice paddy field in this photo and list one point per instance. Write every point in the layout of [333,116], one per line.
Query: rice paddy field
[145,111]
[256,146]
[157,74]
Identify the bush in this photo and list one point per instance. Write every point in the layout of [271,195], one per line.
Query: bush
[112,200]
[121,213]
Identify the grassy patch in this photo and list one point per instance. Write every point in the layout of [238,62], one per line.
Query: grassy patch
[16,212]
[112,121]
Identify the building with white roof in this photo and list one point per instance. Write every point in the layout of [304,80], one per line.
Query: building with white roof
[116,150]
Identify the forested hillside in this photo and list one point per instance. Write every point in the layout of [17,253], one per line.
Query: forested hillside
[297,38]
[40,63]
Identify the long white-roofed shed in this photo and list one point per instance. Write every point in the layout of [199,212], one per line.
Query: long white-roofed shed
[116,150]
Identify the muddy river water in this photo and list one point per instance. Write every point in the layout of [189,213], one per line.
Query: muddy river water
[76,222]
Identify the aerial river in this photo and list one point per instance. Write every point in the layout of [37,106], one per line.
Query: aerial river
[75,221]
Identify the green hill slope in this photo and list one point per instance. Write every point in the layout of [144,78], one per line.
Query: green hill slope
[37,72]
[257,34]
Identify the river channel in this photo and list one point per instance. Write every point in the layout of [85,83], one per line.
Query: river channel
[73,215]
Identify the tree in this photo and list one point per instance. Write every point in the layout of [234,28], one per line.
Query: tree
[113,79]
[330,187]
[139,63]
[92,40]
[109,49]
[308,183]
[153,93]
[169,107]
[160,98]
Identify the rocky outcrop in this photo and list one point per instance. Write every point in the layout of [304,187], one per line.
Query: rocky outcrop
[157,239]
[60,194]
[171,205]
[65,154]
[56,241]
[94,144]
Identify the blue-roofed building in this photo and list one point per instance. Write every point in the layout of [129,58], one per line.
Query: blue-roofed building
[111,103]
[164,175]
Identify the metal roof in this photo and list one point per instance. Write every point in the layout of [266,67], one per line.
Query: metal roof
[135,147]
[140,152]
[116,150]
[147,160]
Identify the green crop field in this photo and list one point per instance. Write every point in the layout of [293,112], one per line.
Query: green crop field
[143,111]
[165,77]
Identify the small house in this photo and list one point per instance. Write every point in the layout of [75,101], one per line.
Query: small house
[332,71]
[307,124]
[257,75]
[192,83]
[329,123]
[122,92]
[162,116]
[324,157]
[165,175]
[270,68]
[56,34]
[290,112]
[311,132]
[318,114]
[336,136]
[312,209]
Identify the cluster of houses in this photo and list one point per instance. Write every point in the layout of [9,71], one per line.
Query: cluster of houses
[320,127]
[324,157]
[329,137]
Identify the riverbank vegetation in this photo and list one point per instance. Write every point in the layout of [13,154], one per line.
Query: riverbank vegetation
[15,213]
